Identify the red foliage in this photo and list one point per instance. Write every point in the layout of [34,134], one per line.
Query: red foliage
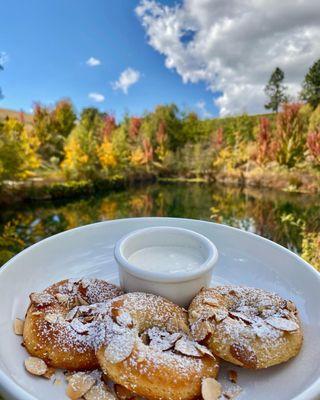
[264,141]
[147,149]
[217,139]
[21,117]
[109,125]
[134,127]
[313,142]
[161,135]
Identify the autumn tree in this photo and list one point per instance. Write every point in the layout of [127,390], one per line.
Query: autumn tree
[311,85]
[18,150]
[290,135]
[275,90]
[52,126]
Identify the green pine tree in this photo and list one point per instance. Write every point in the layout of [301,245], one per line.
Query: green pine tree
[311,85]
[275,90]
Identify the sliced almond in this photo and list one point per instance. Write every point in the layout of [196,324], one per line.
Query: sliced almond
[62,298]
[210,389]
[120,347]
[187,347]
[233,376]
[85,282]
[203,350]
[78,326]
[35,366]
[18,326]
[201,329]
[164,342]
[244,355]
[99,391]
[49,373]
[37,312]
[79,384]
[72,314]
[241,316]
[291,306]
[211,302]
[220,315]
[82,301]
[282,324]
[123,393]
[124,319]
[41,299]
[52,318]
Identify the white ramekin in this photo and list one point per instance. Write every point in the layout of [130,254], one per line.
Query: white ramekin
[179,287]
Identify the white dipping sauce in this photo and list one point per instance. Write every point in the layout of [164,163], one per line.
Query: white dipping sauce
[169,259]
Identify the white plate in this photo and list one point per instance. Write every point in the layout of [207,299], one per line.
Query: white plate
[244,259]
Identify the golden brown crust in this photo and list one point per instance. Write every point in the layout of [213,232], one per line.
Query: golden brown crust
[246,326]
[154,345]
[60,325]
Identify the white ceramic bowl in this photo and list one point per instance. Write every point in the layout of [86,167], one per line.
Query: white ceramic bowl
[244,258]
[180,287]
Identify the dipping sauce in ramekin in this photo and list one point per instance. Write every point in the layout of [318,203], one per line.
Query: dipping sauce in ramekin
[171,262]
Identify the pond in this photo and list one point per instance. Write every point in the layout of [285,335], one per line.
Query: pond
[282,217]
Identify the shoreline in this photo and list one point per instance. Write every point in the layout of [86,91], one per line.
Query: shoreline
[44,189]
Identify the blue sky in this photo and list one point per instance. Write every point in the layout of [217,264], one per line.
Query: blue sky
[49,41]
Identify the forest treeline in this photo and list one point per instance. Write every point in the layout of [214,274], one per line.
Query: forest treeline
[164,142]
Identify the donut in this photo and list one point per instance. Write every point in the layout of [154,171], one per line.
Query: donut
[62,324]
[246,326]
[148,349]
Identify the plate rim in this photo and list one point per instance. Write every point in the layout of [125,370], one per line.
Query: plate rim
[11,388]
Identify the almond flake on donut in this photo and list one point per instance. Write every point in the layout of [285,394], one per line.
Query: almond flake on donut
[245,355]
[124,319]
[35,366]
[78,326]
[72,314]
[62,298]
[203,350]
[200,330]
[18,326]
[187,347]
[282,324]
[241,316]
[220,315]
[211,302]
[79,384]
[41,299]
[82,301]
[120,347]
[52,318]
[210,389]
[162,340]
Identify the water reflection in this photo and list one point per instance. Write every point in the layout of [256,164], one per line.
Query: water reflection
[282,217]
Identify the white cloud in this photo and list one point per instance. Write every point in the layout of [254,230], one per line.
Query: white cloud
[234,45]
[93,62]
[126,79]
[202,106]
[4,57]
[98,97]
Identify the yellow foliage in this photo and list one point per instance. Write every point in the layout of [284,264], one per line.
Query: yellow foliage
[74,155]
[106,154]
[138,157]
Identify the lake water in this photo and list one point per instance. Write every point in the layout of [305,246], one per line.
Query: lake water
[279,216]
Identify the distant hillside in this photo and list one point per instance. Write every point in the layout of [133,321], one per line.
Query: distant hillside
[4,113]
